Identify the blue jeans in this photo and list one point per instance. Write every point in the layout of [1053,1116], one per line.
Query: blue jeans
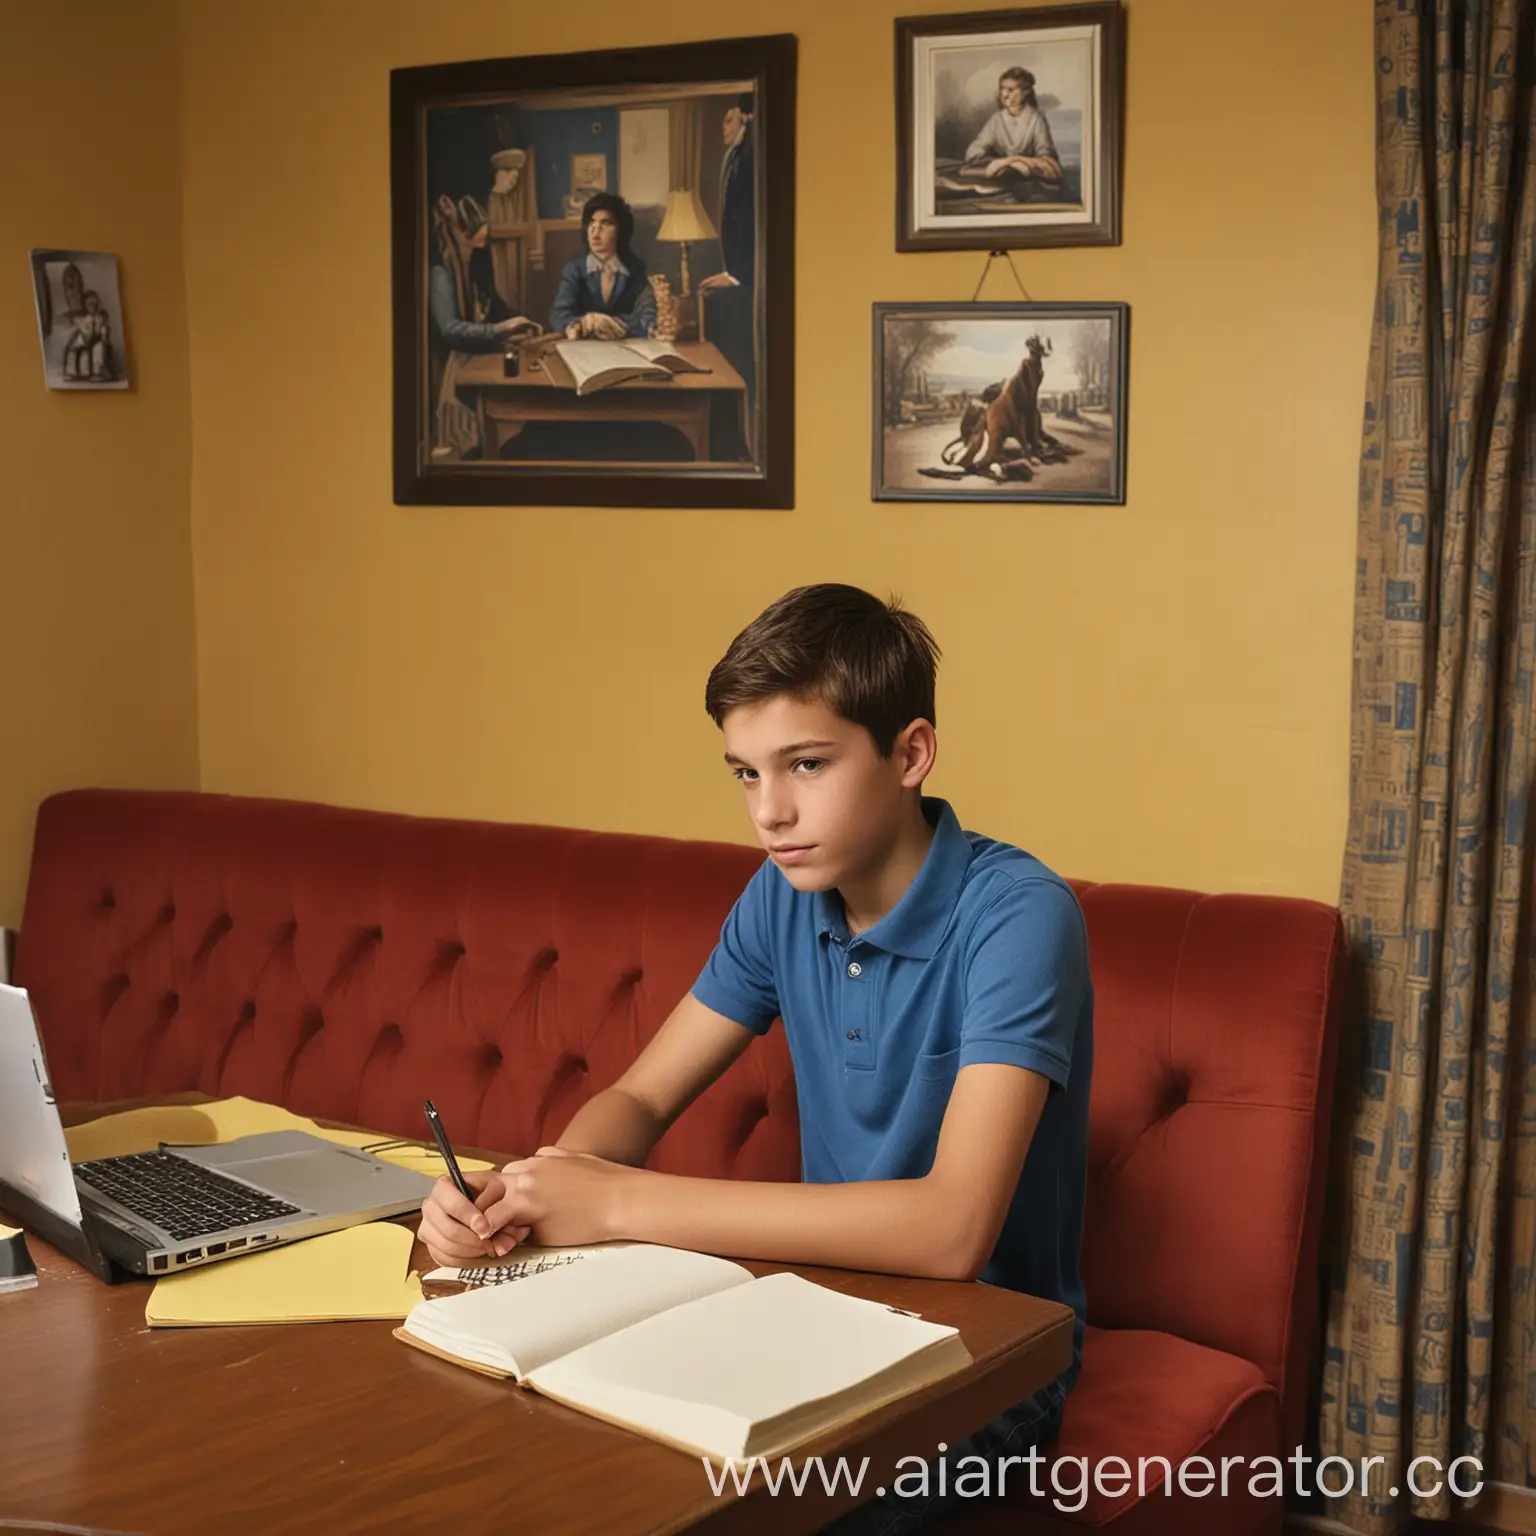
[1013,1432]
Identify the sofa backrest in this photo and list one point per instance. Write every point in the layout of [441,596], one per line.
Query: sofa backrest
[350,963]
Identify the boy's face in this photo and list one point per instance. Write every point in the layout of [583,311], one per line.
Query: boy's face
[824,803]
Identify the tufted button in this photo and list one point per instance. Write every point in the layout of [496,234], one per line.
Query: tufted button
[391,1035]
[578,1064]
[172,1002]
[168,913]
[224,924]
[248,1010]
[491,1057]
[374,935]
[633,978]
[546,959]
[108,899]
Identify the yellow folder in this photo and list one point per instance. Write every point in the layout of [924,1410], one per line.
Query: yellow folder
[354,1274]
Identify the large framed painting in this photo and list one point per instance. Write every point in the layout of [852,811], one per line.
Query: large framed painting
[1008,128]
[1000,402]
[593,272]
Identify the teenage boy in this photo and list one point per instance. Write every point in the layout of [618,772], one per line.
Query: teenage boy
[934,988]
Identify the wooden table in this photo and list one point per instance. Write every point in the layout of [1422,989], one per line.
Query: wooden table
[338,1427]
[505,406]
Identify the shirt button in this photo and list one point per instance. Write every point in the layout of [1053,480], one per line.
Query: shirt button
[852,1034]
[855,969]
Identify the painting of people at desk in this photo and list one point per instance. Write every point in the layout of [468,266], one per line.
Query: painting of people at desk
[592,285]
[1008,128]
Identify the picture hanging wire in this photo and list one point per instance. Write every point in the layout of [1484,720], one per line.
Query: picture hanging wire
[987,267]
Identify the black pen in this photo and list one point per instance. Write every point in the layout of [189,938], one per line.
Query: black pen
[440,1136]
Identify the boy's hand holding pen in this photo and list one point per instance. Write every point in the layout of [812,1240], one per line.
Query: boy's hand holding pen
[453,1221]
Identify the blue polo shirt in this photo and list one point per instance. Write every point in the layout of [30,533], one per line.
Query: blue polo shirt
[984,959]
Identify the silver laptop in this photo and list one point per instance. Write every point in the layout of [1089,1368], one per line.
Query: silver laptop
[173,1208]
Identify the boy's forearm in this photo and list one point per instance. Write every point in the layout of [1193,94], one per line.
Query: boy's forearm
[613,1125]
[899,1226]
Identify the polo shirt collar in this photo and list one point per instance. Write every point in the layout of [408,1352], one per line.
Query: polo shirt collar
[917,923]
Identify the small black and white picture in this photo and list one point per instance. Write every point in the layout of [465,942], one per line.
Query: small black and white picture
[1000,402]
[1008,128]
[80,319]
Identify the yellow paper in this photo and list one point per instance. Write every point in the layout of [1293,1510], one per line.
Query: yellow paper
[355,1274]
[7,1233]
[201,1125]
[185,1125]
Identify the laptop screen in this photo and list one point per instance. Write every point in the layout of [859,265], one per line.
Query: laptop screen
[33,1156]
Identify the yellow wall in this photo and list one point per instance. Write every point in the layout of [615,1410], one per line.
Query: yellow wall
[97,650]
[1156,692]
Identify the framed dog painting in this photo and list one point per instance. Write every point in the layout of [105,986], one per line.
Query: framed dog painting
[593,258]
[1008,128]
[1000,402]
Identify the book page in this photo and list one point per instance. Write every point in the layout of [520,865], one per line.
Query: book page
[523,1263]
[664,353]
[589,360]
[756,1367]
[518,1328]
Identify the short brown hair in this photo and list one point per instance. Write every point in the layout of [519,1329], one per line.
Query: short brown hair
[872,662]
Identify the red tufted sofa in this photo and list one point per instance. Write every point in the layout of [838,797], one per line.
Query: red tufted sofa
[348,963]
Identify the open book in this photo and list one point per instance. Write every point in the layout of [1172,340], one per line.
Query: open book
[690,1349]
[586,366]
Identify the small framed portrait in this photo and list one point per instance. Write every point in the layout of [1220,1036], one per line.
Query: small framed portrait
[1008,128]
[589,173]
[594,268]
[80,319]
[1000,402]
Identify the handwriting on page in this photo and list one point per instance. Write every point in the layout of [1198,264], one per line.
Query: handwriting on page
[502,1274]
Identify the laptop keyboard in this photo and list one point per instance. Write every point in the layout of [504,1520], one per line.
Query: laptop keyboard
[181,1197]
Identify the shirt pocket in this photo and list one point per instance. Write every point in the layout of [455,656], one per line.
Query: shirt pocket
[938,1066]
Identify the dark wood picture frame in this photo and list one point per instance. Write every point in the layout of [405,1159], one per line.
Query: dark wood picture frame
[1082,420]
[764,475]
[1098,225]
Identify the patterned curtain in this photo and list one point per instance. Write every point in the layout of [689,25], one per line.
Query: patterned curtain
[1431,1347]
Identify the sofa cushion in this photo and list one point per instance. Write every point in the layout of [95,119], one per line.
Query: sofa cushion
[1142,1395]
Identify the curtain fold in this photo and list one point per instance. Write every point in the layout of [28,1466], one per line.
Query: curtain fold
[1431,1317]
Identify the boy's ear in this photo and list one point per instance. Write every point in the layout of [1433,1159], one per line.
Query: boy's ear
[915,750]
